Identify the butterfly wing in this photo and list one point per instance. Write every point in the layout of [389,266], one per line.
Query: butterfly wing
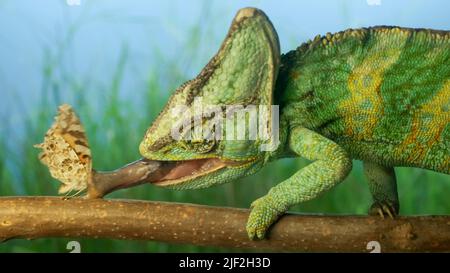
[66,153]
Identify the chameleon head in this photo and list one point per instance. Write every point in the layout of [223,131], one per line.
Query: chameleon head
[198,130]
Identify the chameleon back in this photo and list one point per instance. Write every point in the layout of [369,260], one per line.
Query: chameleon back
[382,93]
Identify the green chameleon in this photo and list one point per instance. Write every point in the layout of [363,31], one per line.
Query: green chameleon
[380,95]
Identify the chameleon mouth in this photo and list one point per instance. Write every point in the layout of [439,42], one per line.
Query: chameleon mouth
[180,171]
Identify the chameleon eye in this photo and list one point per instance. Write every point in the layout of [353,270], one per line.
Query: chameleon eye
[199,141]
[199,146]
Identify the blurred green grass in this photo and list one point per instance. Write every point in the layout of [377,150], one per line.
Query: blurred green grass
[115,125]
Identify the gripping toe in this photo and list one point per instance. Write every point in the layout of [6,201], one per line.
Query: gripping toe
[384,208]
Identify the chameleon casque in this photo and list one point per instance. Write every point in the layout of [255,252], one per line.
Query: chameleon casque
[380,95]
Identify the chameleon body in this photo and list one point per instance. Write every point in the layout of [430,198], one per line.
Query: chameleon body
[381,95]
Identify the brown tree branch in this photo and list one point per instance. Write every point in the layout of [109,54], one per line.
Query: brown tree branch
[36,217]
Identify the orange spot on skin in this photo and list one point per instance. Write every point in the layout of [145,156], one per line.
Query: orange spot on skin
[428,123]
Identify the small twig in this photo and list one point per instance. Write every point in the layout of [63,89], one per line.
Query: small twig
[138,172]
[37,217]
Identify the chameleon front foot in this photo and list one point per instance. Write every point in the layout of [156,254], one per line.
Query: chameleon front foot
[263,214]
[384,208]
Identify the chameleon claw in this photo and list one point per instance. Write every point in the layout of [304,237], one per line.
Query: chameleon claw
[380,212]
[260,234]
[388,210]
[256,226]
[253,234]
[384,208]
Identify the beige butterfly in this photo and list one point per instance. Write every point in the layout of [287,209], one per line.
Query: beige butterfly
[66,152]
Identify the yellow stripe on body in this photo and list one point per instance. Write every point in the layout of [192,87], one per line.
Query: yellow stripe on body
[428,124]
[364,107]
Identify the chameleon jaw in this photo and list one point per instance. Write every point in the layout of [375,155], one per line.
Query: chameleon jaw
[190,169]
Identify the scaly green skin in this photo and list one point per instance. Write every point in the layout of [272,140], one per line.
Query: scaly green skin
[381,95]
